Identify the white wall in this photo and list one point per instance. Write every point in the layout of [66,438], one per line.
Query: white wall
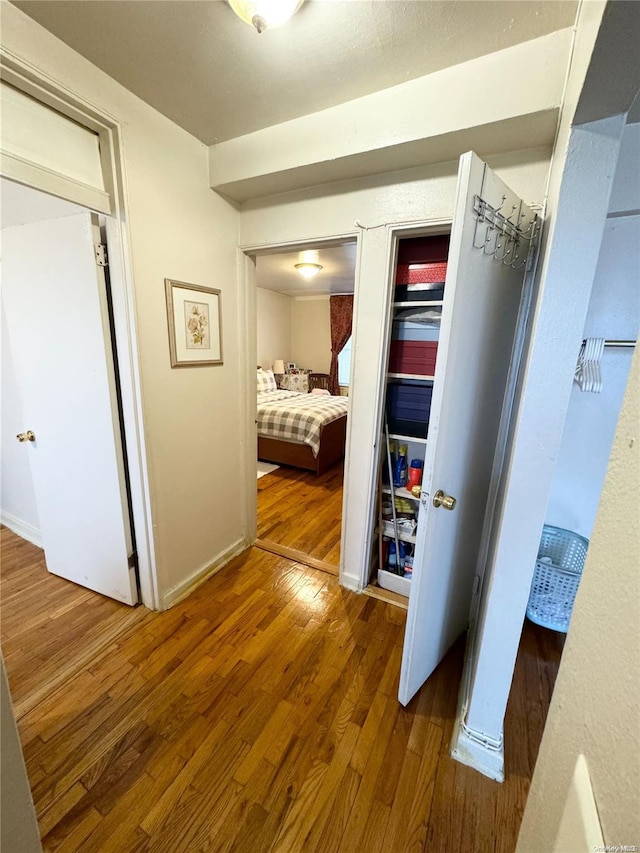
[594,710]
[274,315]
[177,228]
[18,502]
[20,205]
[311,333]
[614,313]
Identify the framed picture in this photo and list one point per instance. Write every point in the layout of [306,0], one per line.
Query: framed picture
[291,366]
[194,319]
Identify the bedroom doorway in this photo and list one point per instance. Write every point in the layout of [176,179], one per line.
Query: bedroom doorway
[304,309]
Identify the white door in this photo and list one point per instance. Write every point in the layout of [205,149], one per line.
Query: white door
[54,296]
[479,320]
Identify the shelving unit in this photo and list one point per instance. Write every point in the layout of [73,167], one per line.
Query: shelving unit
[414,334]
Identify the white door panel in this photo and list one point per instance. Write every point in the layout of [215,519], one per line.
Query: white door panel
[54,296]
[481,305]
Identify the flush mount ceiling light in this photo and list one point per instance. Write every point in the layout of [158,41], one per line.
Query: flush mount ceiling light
[308,270]
[265,13]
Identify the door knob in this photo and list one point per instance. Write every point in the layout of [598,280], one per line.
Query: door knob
[440,499]
[26,436]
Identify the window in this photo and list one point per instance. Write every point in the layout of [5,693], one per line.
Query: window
[344,364]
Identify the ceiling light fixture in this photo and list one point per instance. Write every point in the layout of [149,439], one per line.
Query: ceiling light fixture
[308,271]
[263,14]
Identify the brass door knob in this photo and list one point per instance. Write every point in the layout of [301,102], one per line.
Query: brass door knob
[446,501]
[26,436]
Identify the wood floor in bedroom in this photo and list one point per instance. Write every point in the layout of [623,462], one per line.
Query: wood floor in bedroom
[259,714]
[303,513]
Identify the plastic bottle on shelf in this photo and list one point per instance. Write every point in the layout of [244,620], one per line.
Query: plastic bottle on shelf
[404,468]
[392,560]
[397,473]
[415,474]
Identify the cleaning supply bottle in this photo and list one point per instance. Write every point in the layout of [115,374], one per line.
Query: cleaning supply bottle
[404,468]
[397,472]
[415,474]
[392,560]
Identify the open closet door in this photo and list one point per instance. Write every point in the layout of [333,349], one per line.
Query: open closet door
[483,292]
[54,295]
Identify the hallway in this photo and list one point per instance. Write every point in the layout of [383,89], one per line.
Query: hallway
[261,714]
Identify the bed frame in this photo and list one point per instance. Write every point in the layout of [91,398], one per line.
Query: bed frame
[332,443]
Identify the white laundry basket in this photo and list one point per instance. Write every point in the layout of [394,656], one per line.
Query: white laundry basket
[557,574]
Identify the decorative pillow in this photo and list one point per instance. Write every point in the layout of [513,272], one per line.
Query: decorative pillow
[266,381]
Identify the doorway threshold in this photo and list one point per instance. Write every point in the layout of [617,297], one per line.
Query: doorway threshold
[297,556]
[387,595]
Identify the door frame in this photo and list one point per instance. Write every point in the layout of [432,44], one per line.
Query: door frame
[112,203]
[247,306]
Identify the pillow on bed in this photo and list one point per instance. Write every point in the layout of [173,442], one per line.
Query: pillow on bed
[266,381]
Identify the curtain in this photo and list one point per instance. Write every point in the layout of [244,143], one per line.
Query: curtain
[341,313]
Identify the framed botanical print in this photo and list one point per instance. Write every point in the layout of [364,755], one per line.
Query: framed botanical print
[194,318]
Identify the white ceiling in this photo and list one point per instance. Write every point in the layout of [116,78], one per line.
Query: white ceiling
[277,271]
[21,205]
[197,63]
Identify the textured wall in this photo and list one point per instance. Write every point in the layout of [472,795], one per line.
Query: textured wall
[594,710]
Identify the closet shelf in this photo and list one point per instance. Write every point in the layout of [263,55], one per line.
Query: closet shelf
[419,376]
[405,439]
[403,536]
[421,304]
[400,493]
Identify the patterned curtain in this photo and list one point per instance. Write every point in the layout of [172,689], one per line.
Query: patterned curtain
[341,312]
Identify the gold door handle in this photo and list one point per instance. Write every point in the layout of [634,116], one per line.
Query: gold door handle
[440,499]
[26,436]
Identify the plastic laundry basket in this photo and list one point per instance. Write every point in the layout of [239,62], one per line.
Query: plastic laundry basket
[555,581]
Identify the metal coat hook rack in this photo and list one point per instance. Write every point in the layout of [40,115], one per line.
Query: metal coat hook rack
[508,239]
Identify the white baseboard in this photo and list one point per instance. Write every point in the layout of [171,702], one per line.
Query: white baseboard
[351,582]
[471,748]
[186,587]
[22,528]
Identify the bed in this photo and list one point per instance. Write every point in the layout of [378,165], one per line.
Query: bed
[303,430]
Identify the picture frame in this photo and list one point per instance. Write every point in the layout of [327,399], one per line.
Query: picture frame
[194,322]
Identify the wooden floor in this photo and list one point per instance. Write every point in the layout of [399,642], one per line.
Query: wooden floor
[301,511]
[260,714]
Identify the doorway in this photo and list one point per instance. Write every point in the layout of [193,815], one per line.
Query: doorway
[304,313]
[65,478]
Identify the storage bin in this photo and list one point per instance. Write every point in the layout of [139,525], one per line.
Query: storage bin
[417,357]
[419,293]
[416,274]
[559,565]
[408,408]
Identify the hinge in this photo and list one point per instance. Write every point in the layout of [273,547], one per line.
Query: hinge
[101,255]
[133,560]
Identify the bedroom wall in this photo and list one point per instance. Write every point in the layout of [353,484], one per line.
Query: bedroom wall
[311,333]
[177,228]
[274,315]
[18,502]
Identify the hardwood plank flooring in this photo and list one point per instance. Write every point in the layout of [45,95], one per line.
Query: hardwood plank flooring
[303,512]
[49,626]
[260,714]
